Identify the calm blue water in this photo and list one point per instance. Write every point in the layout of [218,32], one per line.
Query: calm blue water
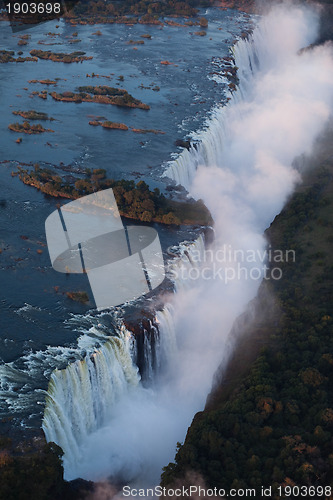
[39,325]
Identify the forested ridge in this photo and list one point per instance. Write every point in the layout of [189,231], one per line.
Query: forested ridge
[273,425]
[32,470]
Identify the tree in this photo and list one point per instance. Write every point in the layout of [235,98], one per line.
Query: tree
[170,218]
[146,217]
[129,197]
[149,206]
[203,22]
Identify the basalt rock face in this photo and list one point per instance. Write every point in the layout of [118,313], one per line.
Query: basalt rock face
[183,144]
[326,22]
[146,336]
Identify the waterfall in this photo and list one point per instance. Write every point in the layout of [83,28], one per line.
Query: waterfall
[167,335]
[189,257]
[80,398]
[107,422]
[249,55]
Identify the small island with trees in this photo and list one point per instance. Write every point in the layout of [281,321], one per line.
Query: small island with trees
[134,200]
[7,56]
[101,94]
[60,56]
[122,126]
[26,128]
[108,124]
[33,115]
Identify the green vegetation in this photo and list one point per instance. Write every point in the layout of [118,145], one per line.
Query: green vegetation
[147,131]
[121,126]
[47,81]
[32,469]
[272,424]
[203,22]
[132,11]
[26,128]
[33,115]
[101,94]
[135,201]
[7,56]
[135,42]
[27,474]
[60,56]
[108,124]
[81,297]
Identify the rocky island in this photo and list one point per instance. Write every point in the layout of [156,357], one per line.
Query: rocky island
[45,82]
[7,56]
[26,128]
[33,115]
[60,56]
[101,94]
[109,125]
[147,131]
[81,297]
